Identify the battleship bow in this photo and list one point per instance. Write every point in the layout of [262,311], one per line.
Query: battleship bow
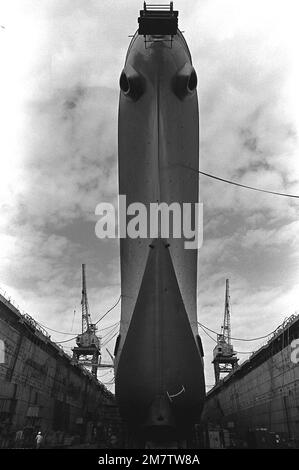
[158,356]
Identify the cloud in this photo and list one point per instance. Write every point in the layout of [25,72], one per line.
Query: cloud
[59,95]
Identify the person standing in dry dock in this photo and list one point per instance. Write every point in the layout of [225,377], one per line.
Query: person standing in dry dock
[39,440]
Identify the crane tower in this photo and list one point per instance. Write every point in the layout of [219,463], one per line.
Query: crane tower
[225,359]
[88,350]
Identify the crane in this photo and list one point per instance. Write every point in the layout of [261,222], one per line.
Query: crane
[224,356]
[88,343]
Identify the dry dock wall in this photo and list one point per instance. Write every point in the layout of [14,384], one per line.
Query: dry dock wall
[40,386]
[263,393]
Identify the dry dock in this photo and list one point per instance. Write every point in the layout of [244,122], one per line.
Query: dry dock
[258,404]
[42,389]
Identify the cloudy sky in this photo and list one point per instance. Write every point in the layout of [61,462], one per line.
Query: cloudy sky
[60,65]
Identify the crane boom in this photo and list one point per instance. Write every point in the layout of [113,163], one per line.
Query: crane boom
[86,318]
[226,321]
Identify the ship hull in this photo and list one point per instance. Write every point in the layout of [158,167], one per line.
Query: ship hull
[159,366]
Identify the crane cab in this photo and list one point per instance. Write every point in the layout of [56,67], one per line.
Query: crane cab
[88,339]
